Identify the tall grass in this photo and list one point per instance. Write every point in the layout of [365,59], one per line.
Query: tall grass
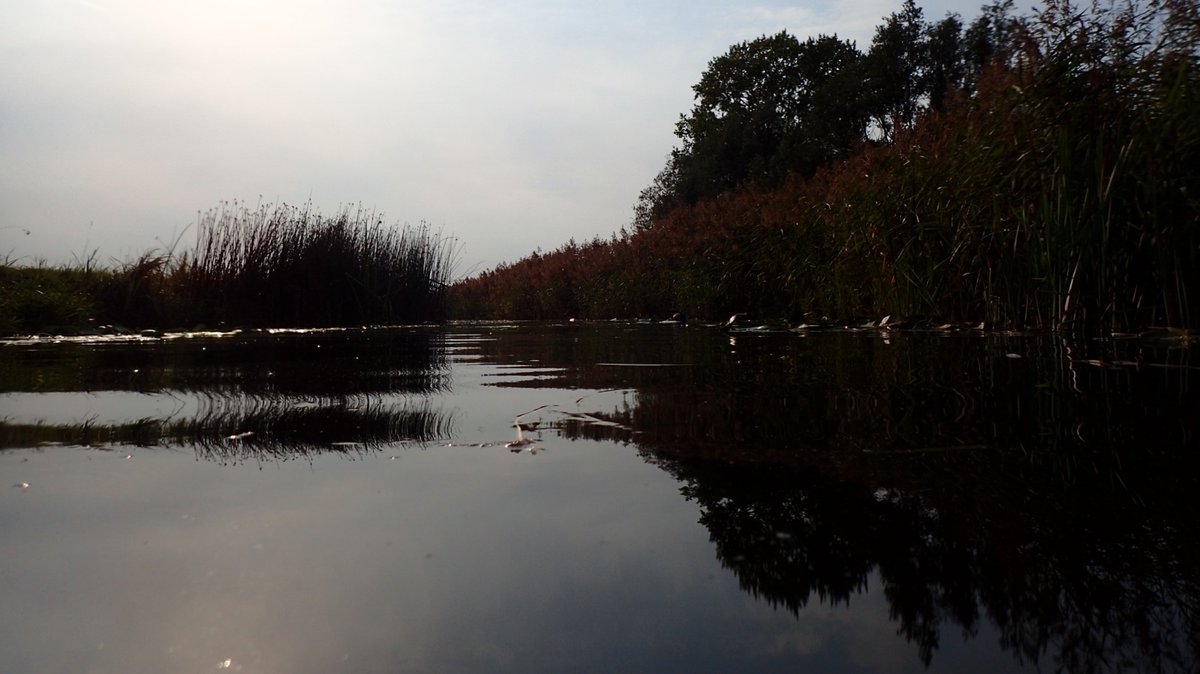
[41,297]
[284,265]
[1062,195]
[277,266]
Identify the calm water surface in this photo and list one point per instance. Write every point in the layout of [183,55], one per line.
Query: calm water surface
[598,497]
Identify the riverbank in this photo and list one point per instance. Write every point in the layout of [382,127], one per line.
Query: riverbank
[1059,194]
[272,266]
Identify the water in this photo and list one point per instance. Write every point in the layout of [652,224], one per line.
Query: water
[598,497]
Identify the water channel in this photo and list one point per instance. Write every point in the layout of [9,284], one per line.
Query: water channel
[599,497]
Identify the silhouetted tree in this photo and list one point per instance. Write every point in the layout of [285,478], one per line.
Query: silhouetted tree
[775,106]
[767,108]
[897,66]
[658,198]
[986,40]
[944,44]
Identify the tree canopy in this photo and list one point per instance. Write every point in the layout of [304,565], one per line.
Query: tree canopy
[777,106]
[765,109]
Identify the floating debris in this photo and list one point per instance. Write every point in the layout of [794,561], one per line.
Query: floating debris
[518,444]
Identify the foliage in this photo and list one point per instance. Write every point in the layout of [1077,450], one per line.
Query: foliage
[42,297]
[987,40]
[776,106]
[898,66]
[765,109]
[1055,188]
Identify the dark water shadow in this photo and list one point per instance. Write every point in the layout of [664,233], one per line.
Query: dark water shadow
[1044,487]
[279,363]
[235,430]
[1041,487]
[260,395]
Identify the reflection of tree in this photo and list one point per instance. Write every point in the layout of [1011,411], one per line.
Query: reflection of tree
[1085,588]
[1043,488]
[1047,490]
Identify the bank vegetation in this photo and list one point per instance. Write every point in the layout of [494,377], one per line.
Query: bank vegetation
[1025,172]
[267,266]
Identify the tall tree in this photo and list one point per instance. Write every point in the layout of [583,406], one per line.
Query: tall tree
[987,40]
[898,64]
[946,68]
[774,106]
[658,198]
[765,109]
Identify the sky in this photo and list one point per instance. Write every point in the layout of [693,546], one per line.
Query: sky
[507,126]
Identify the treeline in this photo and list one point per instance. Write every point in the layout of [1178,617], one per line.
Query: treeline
[1024,171]
[270,266]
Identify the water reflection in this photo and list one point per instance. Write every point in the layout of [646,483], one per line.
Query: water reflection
[235,429]
[1076,591]
[231,397]
[1018,488]
[1047,488]
[310,362]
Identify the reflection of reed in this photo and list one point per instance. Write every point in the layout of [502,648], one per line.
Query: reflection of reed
[280,429]
[232,429]
[601,426]
[261,393]
[307,363]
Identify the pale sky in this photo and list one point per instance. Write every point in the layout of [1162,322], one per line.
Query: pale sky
[511,125]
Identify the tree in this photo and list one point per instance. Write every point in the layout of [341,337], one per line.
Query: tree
[946,68]
[765,109]
[657,199]
[834,118]
[897,65]
[987,40]
[774,106]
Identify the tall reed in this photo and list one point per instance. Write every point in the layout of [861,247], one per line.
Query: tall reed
[1061,195]
[284,265]
[277,266]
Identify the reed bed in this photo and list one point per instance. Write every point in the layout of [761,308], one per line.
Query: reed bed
[269,266]
[284,265]
[1060,195]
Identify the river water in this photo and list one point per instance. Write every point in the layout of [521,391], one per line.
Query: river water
[598,497]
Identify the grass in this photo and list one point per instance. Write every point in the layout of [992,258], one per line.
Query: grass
[290,266]
[42,298]
[271,266]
